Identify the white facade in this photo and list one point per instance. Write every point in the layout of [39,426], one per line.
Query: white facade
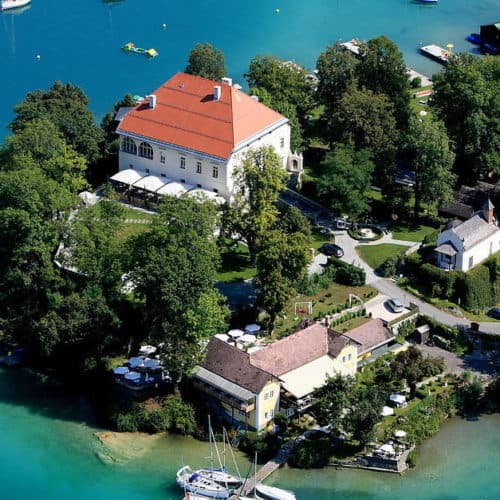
[461,256]
[197,169]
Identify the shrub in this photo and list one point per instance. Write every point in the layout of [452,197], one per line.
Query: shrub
[265,445]
[309,454]
[477,289]
[345,274]
[416,82]
[412,459]
[389,266]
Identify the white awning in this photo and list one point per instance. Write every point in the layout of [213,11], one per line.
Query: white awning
[174,189]
[387,411]
[128,176]
[150,183]
[209,195]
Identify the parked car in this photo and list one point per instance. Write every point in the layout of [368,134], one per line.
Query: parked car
[494,313]
[331,249]
[395,305]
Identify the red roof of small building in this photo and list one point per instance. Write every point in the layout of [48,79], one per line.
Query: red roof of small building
[187,115]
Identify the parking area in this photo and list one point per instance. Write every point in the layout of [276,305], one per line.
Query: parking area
[379,309]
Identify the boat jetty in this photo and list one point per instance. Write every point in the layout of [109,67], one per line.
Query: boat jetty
[436,52]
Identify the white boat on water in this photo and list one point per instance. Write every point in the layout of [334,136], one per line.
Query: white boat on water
[199,485]
[273,493]
[13,4]
[221,477]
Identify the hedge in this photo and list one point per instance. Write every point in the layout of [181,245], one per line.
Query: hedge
[477,289]
[345,274]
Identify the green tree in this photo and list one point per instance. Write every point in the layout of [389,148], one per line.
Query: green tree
[336,73]
[206,61]
[284,81]
[281,264]
[292,220]
[331,399]
[40,144]
[346,175]
[367,121]
[466,97]
[431,160]
[173,268]
[258,180]
[383,70]
[65,105]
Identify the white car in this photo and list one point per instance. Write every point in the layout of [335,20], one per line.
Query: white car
[395,305]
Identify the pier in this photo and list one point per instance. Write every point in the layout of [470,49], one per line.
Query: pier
[436,52]
[265,471]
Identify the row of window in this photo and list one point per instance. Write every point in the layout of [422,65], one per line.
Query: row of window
[146,151]
[346,358]
[269,414]
[268,395]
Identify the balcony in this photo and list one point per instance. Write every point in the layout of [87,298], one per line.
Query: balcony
[246,406]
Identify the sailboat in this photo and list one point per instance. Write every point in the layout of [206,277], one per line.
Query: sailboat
[13,4]
[273,493]
[208,482]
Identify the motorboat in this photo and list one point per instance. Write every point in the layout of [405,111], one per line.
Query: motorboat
[13,4]
[199,484]
[427,1]
[273,493]
[474,38]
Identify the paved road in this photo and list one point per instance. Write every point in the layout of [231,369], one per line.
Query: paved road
[388,287]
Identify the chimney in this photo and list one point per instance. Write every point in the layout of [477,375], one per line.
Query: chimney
[152,101]
[237,86]
[488,209]
[227,81]
[217,92]
[255,98]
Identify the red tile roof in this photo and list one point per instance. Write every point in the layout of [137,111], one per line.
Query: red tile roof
[369,334]
[298,349]
[186,115]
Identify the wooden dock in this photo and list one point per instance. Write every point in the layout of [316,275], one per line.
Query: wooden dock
[265,471]
[436,52]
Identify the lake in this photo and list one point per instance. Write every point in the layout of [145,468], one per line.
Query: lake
[81,41]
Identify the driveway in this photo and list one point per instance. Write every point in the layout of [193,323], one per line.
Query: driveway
[379,309]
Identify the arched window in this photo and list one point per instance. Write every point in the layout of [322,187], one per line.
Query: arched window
[128,145]
[145,150]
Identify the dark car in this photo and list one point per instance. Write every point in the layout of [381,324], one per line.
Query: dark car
[331,249]
[494,312]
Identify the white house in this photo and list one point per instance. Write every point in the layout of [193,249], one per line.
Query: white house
[191,133]
[462,245]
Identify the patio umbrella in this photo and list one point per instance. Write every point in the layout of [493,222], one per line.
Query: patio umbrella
[152,363]
[135,362]
[133,376]
[235,333]
[399,434]
[248,339]
[252,329]
[121,370]
[222,336]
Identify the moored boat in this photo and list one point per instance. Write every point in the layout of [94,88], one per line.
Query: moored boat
[474,38]
[427,1]
[273,493]
[220,477]
[13,4]
[199,484]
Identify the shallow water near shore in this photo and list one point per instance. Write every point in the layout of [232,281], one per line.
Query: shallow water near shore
[50,451]
[81,41]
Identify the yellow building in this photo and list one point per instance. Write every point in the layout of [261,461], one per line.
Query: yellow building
[251,388]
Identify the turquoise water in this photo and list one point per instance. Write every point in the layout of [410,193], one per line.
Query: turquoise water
[49,451]
[80,41]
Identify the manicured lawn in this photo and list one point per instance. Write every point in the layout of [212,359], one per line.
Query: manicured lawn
[322,303]
[130,213]
[350,324]
[320,236]
[130,229]
[374,255]
[411,233]
[235,265]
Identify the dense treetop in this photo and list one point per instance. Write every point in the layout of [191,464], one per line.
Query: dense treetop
[206,61]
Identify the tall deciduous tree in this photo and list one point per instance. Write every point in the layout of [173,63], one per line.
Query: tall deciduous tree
[281,264]
[174,271]
[259,180]
[336,73]
[39,144]
[283,80]
[206,61]
[466,97]
[367,121]
[346,175]
[65,105]
[432,161]
[383,70]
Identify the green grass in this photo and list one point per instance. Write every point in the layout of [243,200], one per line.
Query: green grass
[374,255]
[350,324]
[130,229]
[410,232]
[131,213]
[319,237]
[235,265]
[323,303]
